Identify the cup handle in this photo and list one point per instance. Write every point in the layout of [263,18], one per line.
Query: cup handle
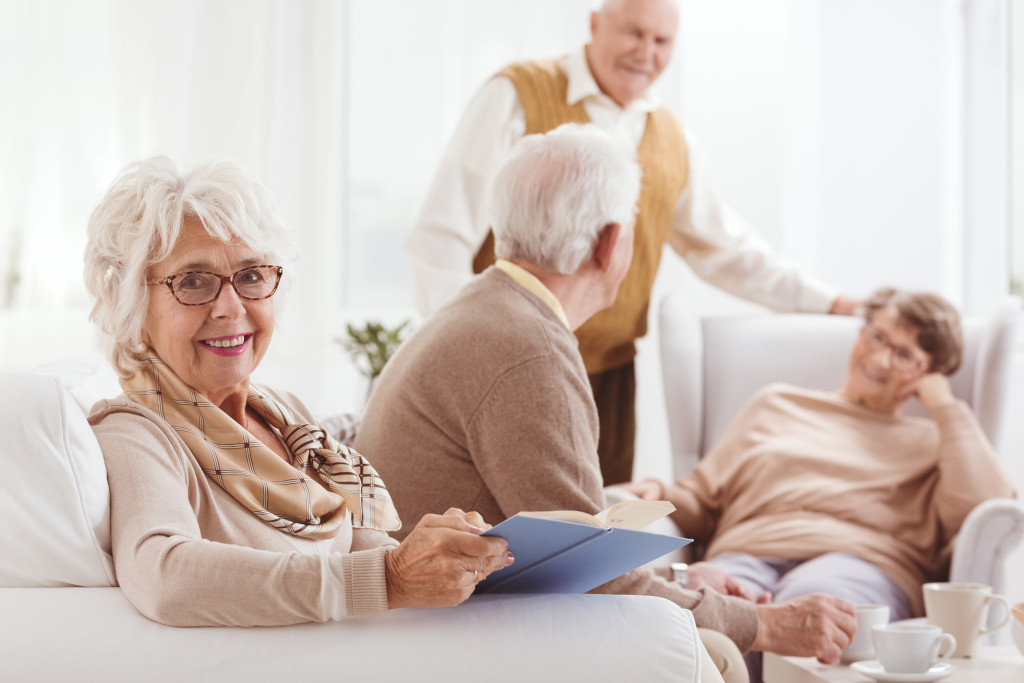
[1006,618]
[950,642]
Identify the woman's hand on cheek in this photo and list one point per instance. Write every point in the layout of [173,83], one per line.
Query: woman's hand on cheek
[933,389]
[442,560]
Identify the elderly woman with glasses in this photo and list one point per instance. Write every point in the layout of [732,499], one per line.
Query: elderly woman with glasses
[230,504]
[838,492]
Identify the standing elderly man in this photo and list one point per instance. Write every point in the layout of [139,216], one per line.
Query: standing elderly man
[488,406]
[606,83]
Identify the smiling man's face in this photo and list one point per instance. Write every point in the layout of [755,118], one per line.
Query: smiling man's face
[631,44]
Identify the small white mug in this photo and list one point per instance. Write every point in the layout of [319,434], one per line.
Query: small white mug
[861,646]
[962,609]
[911,648]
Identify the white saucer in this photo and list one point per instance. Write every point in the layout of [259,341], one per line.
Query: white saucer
[873,669]
[854,656]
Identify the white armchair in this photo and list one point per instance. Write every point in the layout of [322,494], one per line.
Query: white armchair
[711,367]
[65,619]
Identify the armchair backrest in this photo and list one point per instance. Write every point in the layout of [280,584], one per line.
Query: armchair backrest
[711,367]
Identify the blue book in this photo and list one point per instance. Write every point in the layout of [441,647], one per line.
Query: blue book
[555,556]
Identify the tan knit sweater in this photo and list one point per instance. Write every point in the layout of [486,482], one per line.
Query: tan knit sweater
[487,407]
[188,554]
[800,473]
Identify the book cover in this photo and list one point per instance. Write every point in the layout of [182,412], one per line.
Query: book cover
[553,556]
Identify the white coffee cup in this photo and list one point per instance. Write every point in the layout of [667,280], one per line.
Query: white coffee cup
[962,610]
[861,646]
[911,648]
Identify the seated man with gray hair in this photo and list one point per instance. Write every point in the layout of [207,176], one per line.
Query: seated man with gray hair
[488,407]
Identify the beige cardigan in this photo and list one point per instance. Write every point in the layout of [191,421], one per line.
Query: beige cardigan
[187,553]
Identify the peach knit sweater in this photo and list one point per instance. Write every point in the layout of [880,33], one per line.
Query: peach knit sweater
[800,473]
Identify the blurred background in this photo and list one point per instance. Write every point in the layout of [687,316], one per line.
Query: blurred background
[871,141]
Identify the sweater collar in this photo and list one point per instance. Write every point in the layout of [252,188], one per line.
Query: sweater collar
[529,281]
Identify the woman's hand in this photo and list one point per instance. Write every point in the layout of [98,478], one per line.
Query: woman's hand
[652,489]
[704,574]
[442,560]
[933,389]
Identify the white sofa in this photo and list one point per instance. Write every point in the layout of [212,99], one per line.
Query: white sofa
[63,618]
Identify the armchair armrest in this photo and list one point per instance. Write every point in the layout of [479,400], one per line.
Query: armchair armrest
[990,532]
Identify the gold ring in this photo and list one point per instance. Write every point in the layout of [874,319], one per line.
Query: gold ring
[476,576]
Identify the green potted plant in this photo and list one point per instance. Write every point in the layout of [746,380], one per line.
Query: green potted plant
[372,345]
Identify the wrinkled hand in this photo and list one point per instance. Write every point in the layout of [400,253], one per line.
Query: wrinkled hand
[703,574]
[652,489]
[933,389]
[441,560]
[845,305]
[812,625]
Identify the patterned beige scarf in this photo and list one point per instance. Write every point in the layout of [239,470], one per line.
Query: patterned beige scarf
[309,498]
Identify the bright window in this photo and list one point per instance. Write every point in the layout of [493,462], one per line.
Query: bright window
[1017,145]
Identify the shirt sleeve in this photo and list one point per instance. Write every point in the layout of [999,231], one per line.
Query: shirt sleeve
[725,251]
[453,223]
[969,470]
[734,617]
[174,576]
[701,496]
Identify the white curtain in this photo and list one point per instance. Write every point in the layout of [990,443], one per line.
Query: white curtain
[342,108]
[832,127]
[413,65]
[91,86]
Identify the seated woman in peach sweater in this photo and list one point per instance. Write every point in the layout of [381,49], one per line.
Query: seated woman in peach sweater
[838,492]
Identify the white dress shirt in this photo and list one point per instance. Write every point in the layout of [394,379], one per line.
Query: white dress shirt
[715,242]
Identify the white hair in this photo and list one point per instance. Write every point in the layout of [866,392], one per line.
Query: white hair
[137,224]
[555,193]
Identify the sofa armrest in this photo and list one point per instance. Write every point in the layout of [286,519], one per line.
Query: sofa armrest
[98,635]
[990,532]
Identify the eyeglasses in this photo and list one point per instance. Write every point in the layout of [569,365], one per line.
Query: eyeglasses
[196,288]
[904,360]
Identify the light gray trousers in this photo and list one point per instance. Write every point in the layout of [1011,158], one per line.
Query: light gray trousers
[840,574]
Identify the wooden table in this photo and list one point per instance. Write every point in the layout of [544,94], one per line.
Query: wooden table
[992,665]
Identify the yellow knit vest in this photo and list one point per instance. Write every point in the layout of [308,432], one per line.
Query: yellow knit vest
[606,340]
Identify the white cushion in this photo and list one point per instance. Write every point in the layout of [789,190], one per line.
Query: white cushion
[87,381]
[98,635]
[55,505]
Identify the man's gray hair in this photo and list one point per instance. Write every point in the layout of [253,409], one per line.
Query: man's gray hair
[555,192]
[137,224]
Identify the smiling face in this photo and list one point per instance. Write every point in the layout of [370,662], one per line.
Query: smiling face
[213,347]
[631,44]
[872,380]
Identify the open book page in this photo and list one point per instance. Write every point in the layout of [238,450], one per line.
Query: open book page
[629,514]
